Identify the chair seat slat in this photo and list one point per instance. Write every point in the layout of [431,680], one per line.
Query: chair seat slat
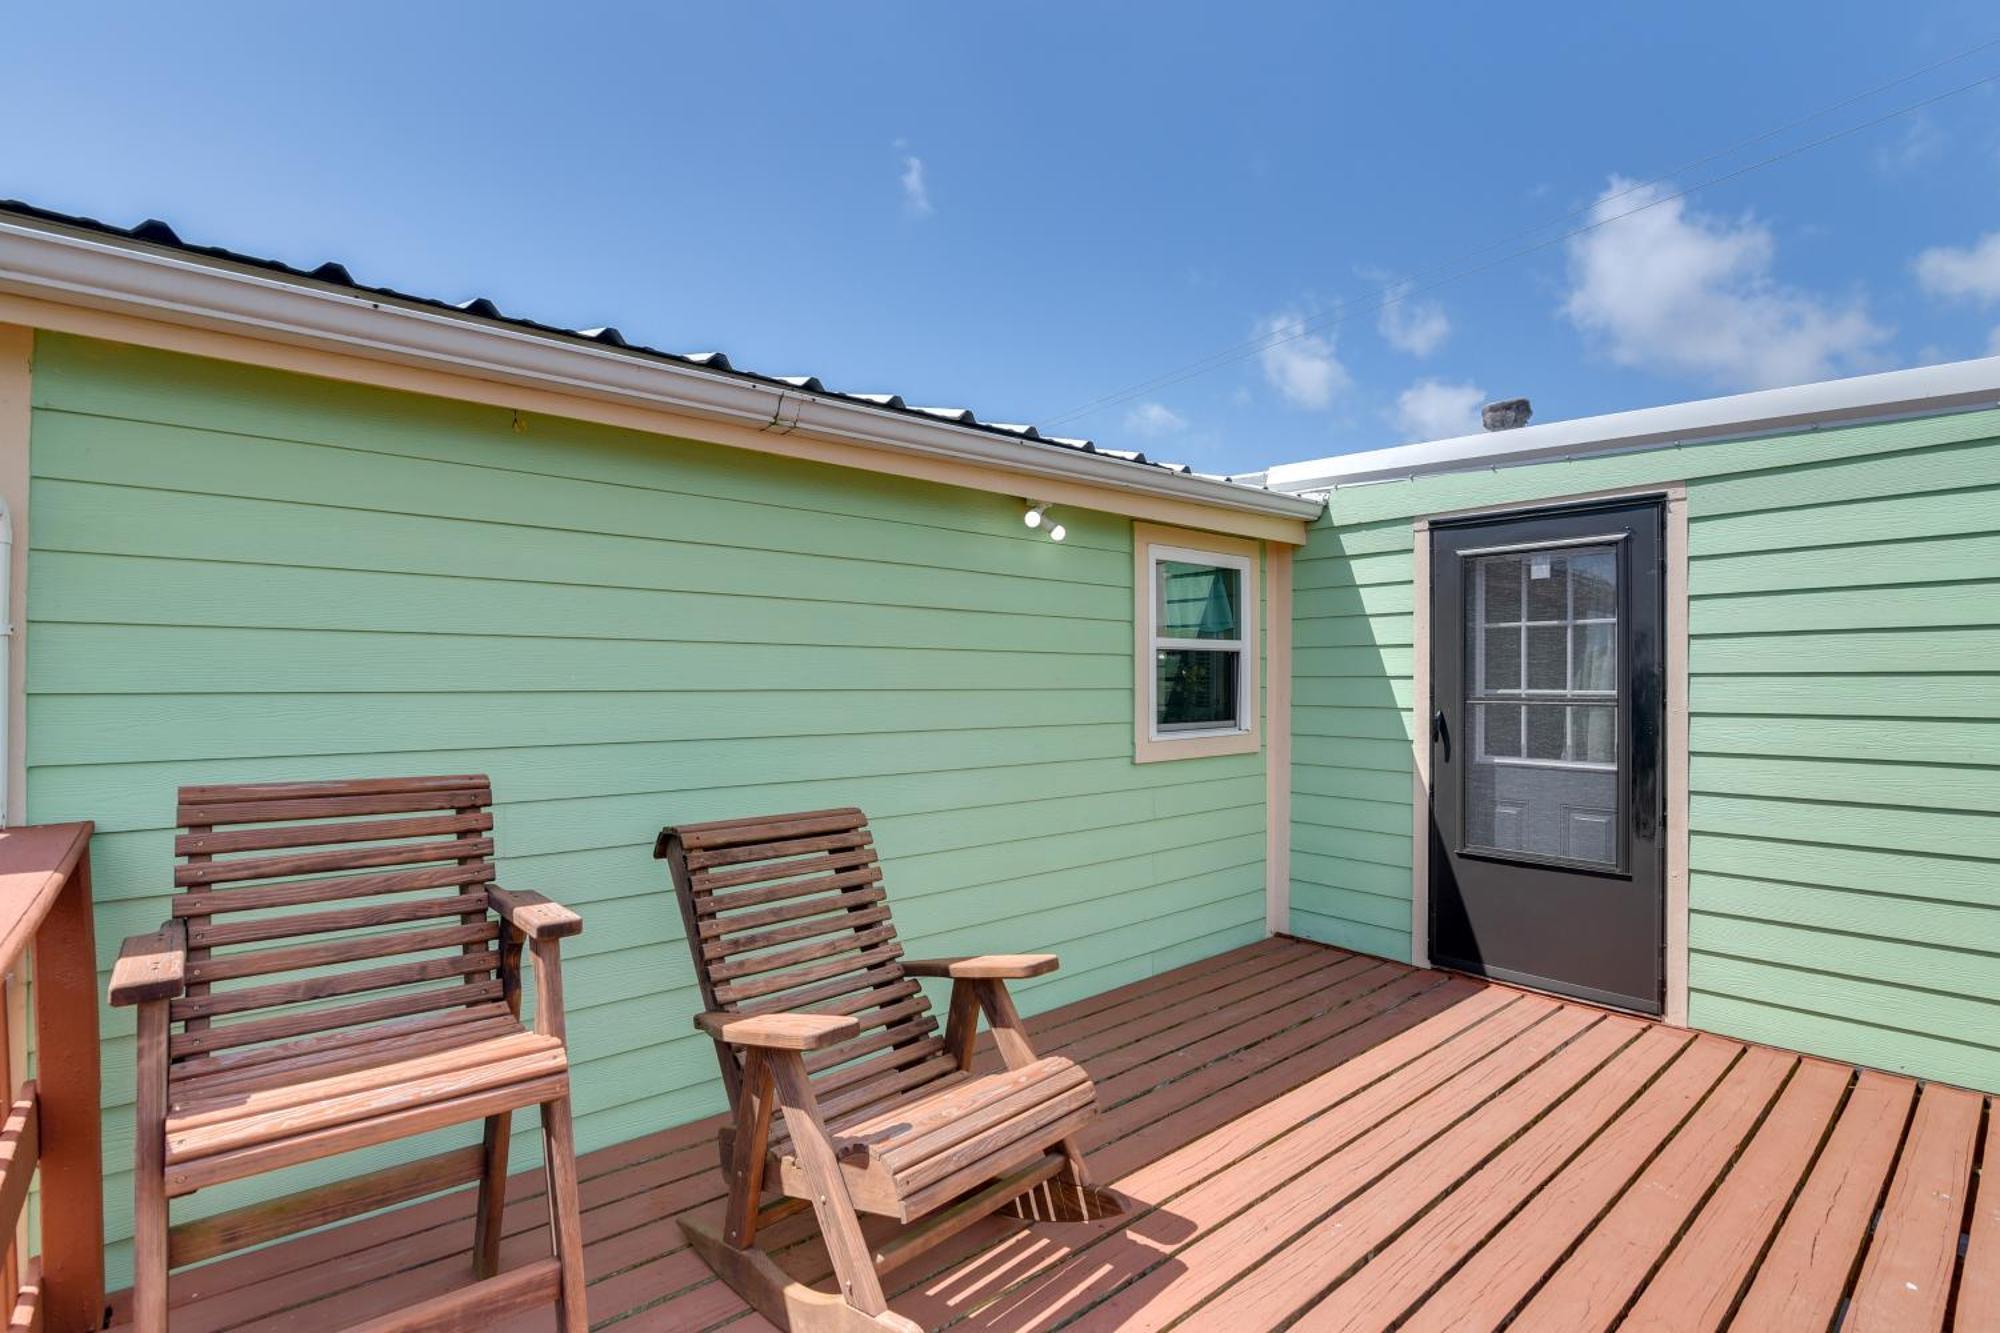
[317,835]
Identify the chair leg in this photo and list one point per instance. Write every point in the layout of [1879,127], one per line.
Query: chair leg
[839,1226]
[565,1213]
[149,1173]
[492,1194]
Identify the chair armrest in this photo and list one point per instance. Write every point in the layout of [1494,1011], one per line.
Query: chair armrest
[779,1032]
[985,967]
[533,915]
[151,967]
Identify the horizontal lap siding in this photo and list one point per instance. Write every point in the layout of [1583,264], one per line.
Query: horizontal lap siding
[1845,730]
[238,576]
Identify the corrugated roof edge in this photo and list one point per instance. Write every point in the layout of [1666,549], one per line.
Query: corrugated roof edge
[154,234]
[1957,386]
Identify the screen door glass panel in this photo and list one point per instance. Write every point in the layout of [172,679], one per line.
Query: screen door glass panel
[1541,704]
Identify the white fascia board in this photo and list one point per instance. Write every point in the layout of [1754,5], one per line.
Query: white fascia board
[1958,386]
[48,262]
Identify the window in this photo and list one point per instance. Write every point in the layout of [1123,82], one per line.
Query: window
[1197,644]
[1542,636]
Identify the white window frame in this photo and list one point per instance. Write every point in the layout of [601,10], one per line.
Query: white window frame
[1150,546]
[1564,698]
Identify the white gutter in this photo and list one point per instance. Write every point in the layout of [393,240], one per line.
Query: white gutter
[54,263]
[1959,386]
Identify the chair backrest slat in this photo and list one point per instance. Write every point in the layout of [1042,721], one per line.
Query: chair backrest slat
[278,863]
[298,893]
[787,913]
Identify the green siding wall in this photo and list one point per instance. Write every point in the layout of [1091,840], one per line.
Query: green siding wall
[1845,714]
[238,575]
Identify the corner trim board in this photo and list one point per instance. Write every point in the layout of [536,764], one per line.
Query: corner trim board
[1278,742]
[17,349]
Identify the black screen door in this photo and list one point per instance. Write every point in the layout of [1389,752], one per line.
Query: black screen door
[1547,862]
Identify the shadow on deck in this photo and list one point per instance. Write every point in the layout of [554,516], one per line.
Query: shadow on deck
[1315,1136]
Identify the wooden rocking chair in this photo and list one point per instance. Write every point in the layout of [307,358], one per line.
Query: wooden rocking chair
[278,1070]
[814,1010]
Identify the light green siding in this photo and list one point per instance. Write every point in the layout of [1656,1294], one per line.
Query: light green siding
[1845,714]
[238,575]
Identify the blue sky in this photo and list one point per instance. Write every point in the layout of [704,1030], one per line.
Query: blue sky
[1028,209]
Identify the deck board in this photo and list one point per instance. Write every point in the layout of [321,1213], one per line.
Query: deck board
[1314,1139]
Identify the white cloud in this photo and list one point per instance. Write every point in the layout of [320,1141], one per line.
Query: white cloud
[1411,325]
[1993,343]
[1154,420]
[1434,410]
[916,193]
[1302,366]
[1972,273]
[1690,294]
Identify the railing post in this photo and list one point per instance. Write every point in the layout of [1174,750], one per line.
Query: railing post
[66,1056]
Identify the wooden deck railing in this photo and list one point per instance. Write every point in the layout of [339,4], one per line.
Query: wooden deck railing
[51,1121]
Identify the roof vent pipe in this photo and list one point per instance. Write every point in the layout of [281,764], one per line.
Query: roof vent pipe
[1508,414]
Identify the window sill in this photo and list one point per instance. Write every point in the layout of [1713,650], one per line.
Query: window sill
[1199,745]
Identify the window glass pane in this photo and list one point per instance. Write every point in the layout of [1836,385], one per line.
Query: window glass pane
[1548,585]
[1548,657]
[1199,601]
[1595,576]
[1545,732]
[1502,575]
[1595,664]
[1196,688]
[1593,735]
[1502,723]
[1503,659]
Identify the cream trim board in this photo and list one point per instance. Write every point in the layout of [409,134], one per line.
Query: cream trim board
[1146,747]
[17,348]
[1278,740]
[1674,493]
[786,439]
[1420,748]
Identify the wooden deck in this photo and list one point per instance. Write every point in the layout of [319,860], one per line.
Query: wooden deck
[1318,1140]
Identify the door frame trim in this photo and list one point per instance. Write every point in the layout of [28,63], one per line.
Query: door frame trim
[1674,494]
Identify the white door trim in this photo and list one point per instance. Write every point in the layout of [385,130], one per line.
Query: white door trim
[1676,608]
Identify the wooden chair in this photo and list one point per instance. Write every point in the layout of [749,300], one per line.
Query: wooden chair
[258,1049]
[815,1011]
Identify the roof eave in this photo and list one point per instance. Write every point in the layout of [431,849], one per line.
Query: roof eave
[1958,386]
[48,262]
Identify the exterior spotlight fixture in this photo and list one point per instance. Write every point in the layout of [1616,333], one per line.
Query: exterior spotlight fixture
[1033,518]
[1058,532]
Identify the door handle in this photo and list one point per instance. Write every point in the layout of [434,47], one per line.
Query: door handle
[1440,734]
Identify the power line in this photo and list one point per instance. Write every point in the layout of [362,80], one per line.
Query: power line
[1401,291]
